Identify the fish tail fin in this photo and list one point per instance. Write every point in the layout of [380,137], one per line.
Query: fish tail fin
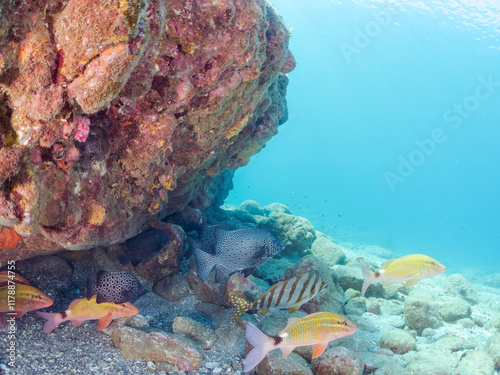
[53,320]
[369,277]
[259,341]
[205,263]
[240,304]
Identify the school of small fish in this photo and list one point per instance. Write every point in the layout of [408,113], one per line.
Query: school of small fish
[235,250]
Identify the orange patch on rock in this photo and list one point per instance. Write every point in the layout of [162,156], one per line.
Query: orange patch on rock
[8,238]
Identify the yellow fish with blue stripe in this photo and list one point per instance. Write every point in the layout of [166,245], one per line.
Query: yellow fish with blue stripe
[410,268]
[316,329]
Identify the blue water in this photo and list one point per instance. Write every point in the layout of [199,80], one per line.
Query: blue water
[381,86]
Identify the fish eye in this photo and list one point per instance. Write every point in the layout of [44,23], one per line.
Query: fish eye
[433,263]
[39,297]
[344,323]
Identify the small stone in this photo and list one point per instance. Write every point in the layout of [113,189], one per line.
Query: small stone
[157,346]
[459,286]
[475,362]
[103,364]
[151,367]
[211,365]
[217,370]
[338,361]
[275,364]
[454,310]
[195,330]
[172,288]
[328,251]
[137,321]
[421,312]
[398,341]
[492,347]
[432,362]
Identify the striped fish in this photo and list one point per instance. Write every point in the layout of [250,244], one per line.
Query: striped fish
[315,329]
[288,294]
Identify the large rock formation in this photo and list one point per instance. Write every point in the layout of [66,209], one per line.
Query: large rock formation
[116,113]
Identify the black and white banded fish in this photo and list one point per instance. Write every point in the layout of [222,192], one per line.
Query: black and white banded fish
[287,294]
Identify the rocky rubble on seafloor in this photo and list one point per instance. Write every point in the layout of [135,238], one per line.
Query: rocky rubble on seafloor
[114,114]
[442,326]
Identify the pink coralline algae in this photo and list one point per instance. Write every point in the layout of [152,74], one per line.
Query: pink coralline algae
[114,114]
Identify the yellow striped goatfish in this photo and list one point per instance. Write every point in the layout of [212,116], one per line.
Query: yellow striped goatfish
[315,329]
[288,294]
[20,299]
[410,268]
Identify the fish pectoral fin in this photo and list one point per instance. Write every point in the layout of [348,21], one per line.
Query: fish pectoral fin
[318,349]
[104,321]
[264,311]
[287,350]
[411,283]
[77,323]
[293,309]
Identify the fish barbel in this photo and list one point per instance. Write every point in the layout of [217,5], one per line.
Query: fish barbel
[315,329]
[20,299]
[83,309]
[410,268]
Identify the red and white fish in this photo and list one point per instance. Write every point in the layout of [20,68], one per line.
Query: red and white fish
[20,299]
[288,294]
[315,329]
[83,309]
[410,268]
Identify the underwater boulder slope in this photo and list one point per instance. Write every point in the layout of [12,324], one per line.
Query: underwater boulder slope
[115,114]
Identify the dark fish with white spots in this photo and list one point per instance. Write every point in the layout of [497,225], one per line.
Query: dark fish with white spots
[117,287]
[237,250]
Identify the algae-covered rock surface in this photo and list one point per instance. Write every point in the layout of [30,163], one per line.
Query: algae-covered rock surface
[117,113]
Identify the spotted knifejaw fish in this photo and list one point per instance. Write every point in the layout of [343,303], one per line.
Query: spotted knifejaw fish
[410,268]
[237,250]
[11,278]
[116,287]
[82,309]
[288,294]
[25,298]
[315,329]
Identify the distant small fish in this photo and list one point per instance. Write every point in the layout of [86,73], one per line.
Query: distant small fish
[315,329]
[82,309]
[11,278]
[117,287]
[288,294]
[410,268]
[237,250]
[22,298]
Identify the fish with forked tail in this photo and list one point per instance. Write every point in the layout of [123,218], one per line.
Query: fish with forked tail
[315,329]
[287,294]
[117,287]
[410,268]
[82,309]
[237,250]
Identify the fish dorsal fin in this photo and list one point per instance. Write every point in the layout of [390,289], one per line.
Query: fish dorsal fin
[287,350]
[90,288]
[74,302]
[411,283]
[387,264]
[319,348]
[221,236]
[290,322]
[104,321]
[100,275]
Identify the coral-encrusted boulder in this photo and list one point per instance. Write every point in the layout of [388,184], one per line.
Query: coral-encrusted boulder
[120,113]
